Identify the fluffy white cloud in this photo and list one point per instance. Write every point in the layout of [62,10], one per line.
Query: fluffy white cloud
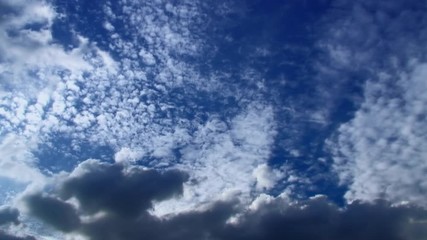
[126,155]
[266,177]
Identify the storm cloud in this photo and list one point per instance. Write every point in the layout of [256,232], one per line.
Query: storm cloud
[59,214]
[320,219]
[114,203]
[119,190]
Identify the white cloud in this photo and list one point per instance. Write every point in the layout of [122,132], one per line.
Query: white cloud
[381,152]
[17,162]
[147,57]
[127,155]
[222,160]
[266,177]
[260,201]
[29,55]
[35,76]
[108,26]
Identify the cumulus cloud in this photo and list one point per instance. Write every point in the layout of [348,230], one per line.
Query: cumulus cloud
[54,212]
[102,186]
[266,177]
[106,192]
[318,218]
[107,212]
[126,155]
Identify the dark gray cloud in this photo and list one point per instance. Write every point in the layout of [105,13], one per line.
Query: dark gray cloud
[320,219]
[192,225]
[112,188]
[53,211]
[125,196]
[9,215]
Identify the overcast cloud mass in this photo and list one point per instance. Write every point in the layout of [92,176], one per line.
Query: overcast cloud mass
[126,119]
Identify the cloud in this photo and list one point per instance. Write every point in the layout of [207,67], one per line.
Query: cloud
[106,192]
[126,155]
[29,53]
[195,225]
[381,39]
[266,177]
[32,70]
[144,96]
[8,215]
[217,151]
[148,102]
[318,218]
[106,212]
[128,192]
[6,236]
[379,153]
[54,212]
[141,99]
[17,160]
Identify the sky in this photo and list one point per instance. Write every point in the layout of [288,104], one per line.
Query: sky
[213,120]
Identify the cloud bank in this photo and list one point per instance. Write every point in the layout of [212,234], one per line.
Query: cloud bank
[105,207]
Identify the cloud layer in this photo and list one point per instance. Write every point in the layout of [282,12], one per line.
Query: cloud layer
[107,211]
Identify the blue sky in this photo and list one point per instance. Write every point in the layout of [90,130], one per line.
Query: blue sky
[228,114]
